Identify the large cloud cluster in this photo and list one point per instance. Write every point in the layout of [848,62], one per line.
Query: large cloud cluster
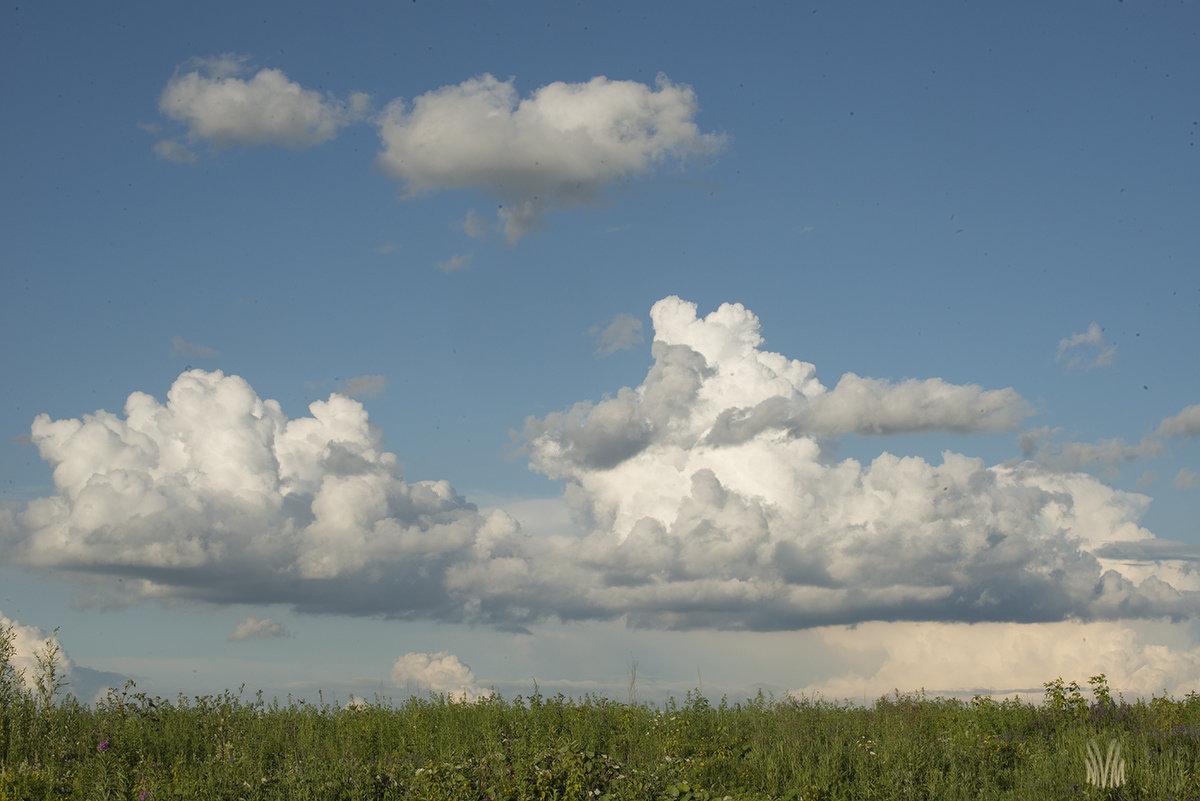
[217,495]
[711,498]
[560,146]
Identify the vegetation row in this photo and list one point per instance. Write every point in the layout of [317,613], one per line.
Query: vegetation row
[904,746]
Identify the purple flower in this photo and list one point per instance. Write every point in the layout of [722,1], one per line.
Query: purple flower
[143,795]
[103,746]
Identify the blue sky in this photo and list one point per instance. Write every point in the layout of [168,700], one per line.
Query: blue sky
[905,301]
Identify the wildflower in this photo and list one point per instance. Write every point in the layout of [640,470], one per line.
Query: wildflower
[103,746]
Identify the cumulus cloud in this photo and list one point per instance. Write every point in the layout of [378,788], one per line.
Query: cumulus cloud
[217,495]
[559,147]
[1087,350]
[28,642]
[218,106]
[253,628]
[437,673]
[709,498]
[622,333]
[180,347]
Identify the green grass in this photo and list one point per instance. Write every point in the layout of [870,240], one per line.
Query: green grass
[131,746]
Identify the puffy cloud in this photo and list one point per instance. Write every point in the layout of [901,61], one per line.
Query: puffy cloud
[27,643]
[253,628]
[180,347]
[1087,350]
[1184,424]
[438,673]
[266,108]
[710,498]
[622,333]
[559,147]
[217,495]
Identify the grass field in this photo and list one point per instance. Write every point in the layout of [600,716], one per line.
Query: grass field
[131,746]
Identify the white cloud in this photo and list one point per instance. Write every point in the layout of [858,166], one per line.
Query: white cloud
[1185,479]
[622,333]
[28,642]
[711,498]
[217,495]
[1184,424]
[253,628]
[438,673]
[267,108]
[707,497]
[1087,350]
[180,347]
[559,147]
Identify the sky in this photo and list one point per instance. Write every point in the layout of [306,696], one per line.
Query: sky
[622,349]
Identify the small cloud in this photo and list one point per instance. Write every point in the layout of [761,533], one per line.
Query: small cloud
[623,333]
[1147,479]
[384,249]
[1087,350]
[364,386]
[439,673]
[459,261]
[1185,479]
[180,347]
[268,108]
[253,628]
[1184,424]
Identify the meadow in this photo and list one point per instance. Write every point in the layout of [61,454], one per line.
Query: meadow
[903,746]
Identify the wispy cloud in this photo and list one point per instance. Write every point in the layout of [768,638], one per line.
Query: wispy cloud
[1185,479]
[622,333]
[459,261]
[180,347]
[1087,350]
[364,386]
